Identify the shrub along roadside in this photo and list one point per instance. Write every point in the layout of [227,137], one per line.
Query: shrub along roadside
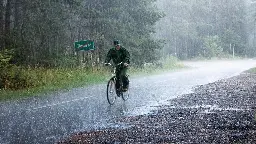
[27,82]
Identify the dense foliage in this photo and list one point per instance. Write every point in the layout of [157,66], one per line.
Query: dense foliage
[207,28]
[43,33]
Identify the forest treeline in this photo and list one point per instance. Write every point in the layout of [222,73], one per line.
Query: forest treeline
[41,34]
[208,28]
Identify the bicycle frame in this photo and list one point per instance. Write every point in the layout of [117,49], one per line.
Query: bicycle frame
[115,78]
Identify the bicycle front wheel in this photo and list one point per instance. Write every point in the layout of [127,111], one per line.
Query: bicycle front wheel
[111,95]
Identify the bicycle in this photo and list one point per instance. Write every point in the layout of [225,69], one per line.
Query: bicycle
[112,91]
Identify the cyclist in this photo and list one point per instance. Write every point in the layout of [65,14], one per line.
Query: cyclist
[119,54]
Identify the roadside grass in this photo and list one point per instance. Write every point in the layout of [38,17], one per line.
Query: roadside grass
[224,57]
[252,70]
[49,80]
[60,79]
[167,64]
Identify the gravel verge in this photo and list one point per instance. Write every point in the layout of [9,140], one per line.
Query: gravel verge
[219,112]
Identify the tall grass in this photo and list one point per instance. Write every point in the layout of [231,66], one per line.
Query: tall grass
[43,80]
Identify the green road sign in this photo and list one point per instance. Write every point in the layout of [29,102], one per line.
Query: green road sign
[84,45]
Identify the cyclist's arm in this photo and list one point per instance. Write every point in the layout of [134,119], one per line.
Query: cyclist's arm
[127,57]
[108,57]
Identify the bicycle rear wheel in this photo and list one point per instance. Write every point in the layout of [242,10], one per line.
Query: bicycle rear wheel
[125,95]
[111,95]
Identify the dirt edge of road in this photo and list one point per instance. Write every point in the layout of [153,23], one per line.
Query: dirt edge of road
[219,112]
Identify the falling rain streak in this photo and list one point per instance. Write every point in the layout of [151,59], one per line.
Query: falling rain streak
[203,104]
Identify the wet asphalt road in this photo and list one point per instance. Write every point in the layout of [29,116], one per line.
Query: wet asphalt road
[222,112]
[50,118]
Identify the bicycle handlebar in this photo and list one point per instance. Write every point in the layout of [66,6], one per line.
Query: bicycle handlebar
[119,64]
[108,64]
[111,64]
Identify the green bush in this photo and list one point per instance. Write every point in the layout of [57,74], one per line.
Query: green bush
[15,78]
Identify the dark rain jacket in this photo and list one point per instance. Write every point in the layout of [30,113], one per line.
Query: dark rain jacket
[118,56]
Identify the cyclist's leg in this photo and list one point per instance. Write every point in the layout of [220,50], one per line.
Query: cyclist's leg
[124,77]
[118,77]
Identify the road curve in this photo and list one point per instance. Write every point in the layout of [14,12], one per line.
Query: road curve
[49,118]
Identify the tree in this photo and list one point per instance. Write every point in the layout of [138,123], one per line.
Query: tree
[1,24]
[7,24]
[212,47]
[188,22]
[251,31]
[129,21]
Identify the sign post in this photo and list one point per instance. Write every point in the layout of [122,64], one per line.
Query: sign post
[84,45]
